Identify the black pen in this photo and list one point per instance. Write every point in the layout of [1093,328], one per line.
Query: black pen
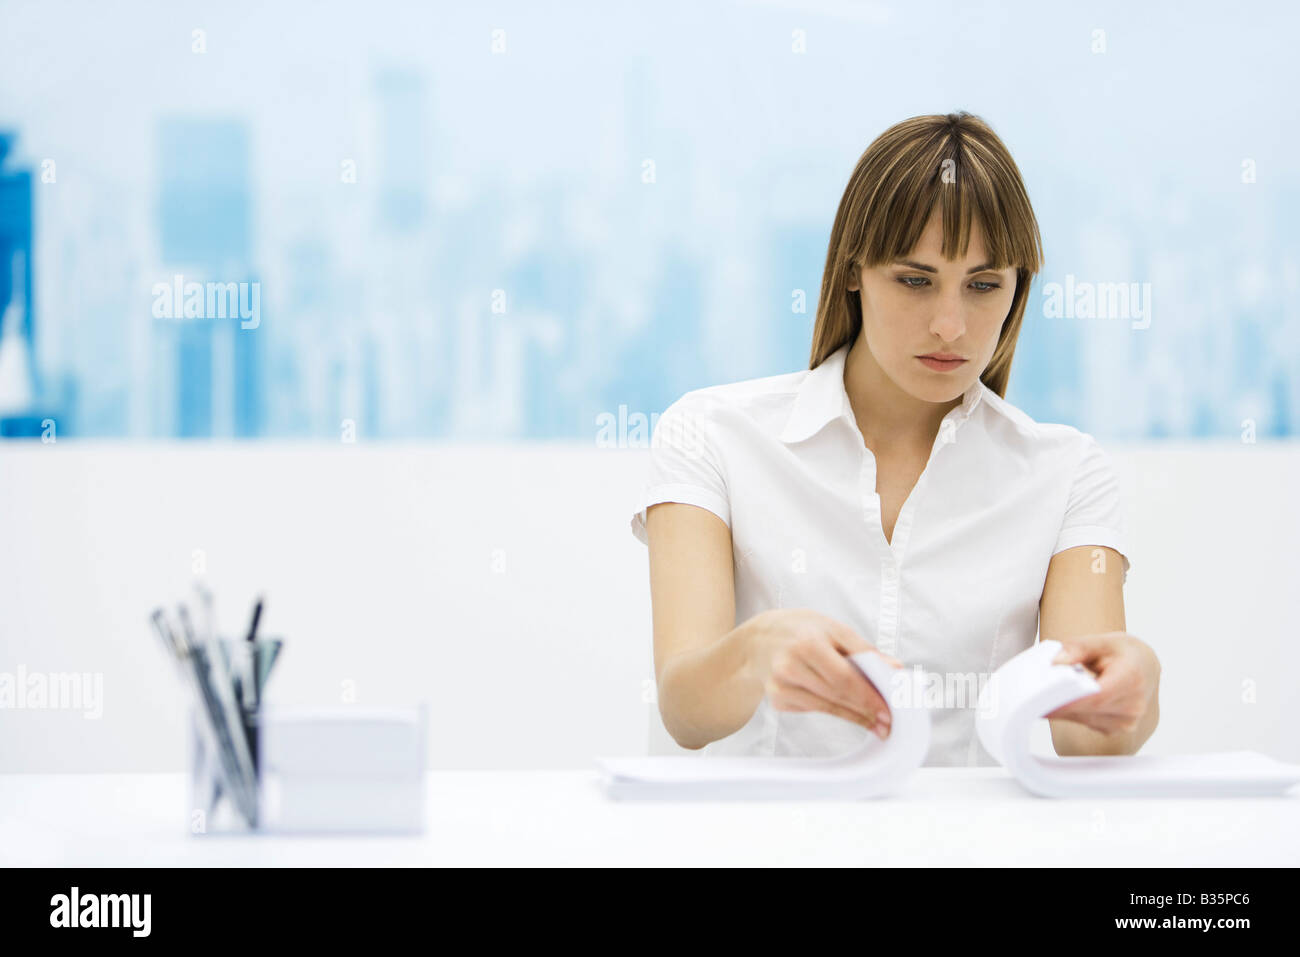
[255,697]
[214,681]
[257,614]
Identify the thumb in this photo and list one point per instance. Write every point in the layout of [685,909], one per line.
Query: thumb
[888,657]
[1071,651]
[1080,648]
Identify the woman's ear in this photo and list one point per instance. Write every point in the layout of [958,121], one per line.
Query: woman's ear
[853,277]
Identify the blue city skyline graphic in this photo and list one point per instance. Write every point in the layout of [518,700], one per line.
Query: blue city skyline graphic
[417,278]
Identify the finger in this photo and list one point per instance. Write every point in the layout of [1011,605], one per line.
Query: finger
[792,698]
[888,657]
[1102,724]
[1079,720]
[1076,648]
[1103,713]
[1086,648]
[1066,712]
[845,682]
[849,642]
[1098,719]
[803,675]
[1117,676]
[845,639]
[1081,709]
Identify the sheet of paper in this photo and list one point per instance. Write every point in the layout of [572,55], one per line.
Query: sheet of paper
[1029,686]
[877,768]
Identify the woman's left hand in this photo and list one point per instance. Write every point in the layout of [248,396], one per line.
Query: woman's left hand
[1128,672]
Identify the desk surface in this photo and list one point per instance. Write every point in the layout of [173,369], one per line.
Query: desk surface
[944,816]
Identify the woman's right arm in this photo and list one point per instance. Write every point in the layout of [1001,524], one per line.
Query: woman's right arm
[706,690]
[711,673]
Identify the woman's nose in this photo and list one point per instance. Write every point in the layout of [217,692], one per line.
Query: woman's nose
[948,324]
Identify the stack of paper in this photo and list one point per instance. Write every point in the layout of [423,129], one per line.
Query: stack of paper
[1019,693]
[878,767]
[1029,686]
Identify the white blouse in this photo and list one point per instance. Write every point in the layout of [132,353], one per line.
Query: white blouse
[781,460]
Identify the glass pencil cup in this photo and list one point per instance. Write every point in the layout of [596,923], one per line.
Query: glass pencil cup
[213,807]
[225,734]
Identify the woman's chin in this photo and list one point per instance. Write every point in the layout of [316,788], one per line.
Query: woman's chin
[928,390]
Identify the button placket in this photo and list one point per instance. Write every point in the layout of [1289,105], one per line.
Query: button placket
[887,640]
[903,528]
[890,570]
[867,490]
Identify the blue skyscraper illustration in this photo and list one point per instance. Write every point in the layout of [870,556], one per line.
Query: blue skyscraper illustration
[16,233]
[205,226]
[19,387]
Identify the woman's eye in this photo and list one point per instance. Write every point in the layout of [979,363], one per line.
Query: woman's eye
[918,282]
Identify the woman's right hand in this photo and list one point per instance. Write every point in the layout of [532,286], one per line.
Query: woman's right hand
[799,655]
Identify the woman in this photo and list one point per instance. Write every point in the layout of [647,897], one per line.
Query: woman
[889,497]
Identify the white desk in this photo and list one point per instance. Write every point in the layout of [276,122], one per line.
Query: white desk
[946,816]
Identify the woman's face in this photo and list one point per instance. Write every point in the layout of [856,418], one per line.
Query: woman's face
[924,304]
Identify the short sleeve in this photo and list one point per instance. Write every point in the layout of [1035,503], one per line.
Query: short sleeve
[1095,511]
[685,464]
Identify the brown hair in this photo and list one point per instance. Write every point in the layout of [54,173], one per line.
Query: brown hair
[958,162]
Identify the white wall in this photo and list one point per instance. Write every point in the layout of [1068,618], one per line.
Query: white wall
[378,566]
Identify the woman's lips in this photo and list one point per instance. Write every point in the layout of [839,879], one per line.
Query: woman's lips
[942,365]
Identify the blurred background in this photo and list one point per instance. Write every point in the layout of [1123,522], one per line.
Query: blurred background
[369,309]
[500,223]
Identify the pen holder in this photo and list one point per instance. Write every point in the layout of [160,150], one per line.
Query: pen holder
[336,770]
[227,677]
[213,809]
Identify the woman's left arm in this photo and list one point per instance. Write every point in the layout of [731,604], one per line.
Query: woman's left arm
[1083,608]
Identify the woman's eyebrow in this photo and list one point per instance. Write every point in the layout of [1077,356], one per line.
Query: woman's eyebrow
[923,267]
